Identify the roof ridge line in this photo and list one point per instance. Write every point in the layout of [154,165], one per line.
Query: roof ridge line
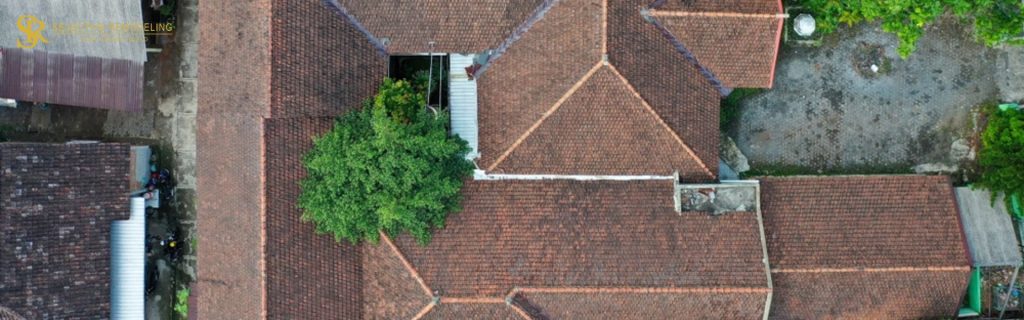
[470,300]
[408,266]
[646,290]
[348,17]
[565,97]
[687,54]
[423,312]
[660,120]
[520,311]
[680,13]
[516,34]
[887,269]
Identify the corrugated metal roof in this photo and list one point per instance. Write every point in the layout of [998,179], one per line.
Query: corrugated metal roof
[463,99]
[60,78]
[988,229]
[87,27]
[128,264]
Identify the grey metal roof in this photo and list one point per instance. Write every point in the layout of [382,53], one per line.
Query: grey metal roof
[70,12]
[988,229]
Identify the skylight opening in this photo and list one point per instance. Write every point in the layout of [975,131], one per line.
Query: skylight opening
[426,72]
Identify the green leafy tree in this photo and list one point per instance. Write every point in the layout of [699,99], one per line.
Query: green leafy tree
[995,21]
[1002,152]
[384,168]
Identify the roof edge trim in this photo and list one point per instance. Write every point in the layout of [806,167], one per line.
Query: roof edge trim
[484,176]
[661,121]
[565,97]
[674,13]
[407,264]
[892,269]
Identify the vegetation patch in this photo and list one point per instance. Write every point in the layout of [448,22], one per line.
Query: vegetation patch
[995,21]
[729,112]
[1002,151]
[390,166]
[795,170]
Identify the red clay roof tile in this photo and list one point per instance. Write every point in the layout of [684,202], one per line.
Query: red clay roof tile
[528,79]
[455,26]
[861,221]
[864,247]
[561,233]
[859,295]
[738,6]
[739,51]
[670,83]
[476,311]
[644,306]
[603,129]
[57,203]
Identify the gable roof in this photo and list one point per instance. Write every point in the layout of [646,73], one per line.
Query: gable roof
[586,82]
[57,204]
[602,128]
[875,241]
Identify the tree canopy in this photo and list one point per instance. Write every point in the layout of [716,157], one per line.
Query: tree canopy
[1002,152]
[390,166]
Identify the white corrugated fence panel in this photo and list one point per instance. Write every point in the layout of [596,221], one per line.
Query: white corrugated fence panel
[462,97]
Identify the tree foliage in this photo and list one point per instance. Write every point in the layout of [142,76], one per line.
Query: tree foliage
[1002,152]
[995,21]
[390,166]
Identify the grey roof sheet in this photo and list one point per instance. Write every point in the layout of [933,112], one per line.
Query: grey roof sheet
[55,12]
[988,229]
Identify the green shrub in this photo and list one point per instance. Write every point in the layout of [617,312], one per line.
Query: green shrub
[995,21]
[1002,152]
[181,303]
[372,173]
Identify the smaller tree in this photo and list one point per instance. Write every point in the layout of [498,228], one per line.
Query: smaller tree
[390,166]
[1002,152]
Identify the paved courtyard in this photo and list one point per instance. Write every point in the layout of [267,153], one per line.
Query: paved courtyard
[826,113]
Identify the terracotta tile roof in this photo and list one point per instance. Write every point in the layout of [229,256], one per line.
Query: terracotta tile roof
[588,31]
[323,65]
[603,128]
[57,203]
[584,234]
[737,6]
[307,276]
[739,51]
[860,247]
[455,26]
[673,85]
[390,289]
[646,305]
[476,311]
[504,114]
[861,221]
[270,58]
[862,295]
[230,213]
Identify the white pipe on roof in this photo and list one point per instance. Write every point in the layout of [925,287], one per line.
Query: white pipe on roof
[482,175]
[128,264]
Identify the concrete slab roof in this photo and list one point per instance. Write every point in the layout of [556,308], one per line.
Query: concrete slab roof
[988,229]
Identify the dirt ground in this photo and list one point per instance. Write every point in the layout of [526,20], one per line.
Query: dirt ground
[829,110]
